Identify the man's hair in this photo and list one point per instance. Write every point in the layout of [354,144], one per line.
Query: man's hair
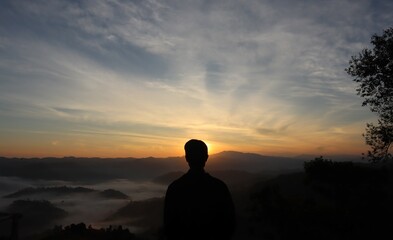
[196,153]
[195,147]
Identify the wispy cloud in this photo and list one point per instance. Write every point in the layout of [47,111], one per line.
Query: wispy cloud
[211,69]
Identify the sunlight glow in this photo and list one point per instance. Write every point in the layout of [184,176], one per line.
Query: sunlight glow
[142,86]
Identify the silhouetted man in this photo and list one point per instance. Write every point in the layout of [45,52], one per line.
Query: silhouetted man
[197,205]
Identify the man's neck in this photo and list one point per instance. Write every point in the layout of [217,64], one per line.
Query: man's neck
[196,170]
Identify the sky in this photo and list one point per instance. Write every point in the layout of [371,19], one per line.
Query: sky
[123,78]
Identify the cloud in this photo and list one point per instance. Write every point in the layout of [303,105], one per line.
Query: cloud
[183,67]
[136,190]
[88,208]
[271,131]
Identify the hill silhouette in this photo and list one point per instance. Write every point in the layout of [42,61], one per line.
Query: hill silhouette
[251,162]
[64,191]
[103,169]
[81,232]
[330,200]
[113,194]
[272,201]
[146,214]
[36,215]
[58,191]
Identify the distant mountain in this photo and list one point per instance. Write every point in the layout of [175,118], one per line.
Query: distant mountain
[64,190]
[103,169]
[57,191]
[252,162]
[113,194]
[89,170]
[167,178]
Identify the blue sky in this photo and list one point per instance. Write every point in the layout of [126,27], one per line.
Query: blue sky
[139,78]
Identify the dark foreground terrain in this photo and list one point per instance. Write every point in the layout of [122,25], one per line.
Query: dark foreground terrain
[324,200]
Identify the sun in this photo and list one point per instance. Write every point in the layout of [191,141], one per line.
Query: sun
[210,147]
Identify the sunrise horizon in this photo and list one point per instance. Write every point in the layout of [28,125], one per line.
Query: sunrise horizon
[99,101]
[118,79]
[182,155]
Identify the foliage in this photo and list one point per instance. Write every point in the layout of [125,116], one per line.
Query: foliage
[80,232]
[380,138]
[322,169]
[372,69]
[343,173]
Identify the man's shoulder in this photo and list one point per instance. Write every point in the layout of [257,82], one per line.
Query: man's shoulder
[216,181]
[179,181]
[188,179]
[212,178]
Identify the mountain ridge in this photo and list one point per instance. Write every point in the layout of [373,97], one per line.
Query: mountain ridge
[64,191]
[103,169]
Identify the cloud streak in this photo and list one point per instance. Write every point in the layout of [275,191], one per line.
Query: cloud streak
[225,71]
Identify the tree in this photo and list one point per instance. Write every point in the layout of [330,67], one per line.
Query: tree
[372,69]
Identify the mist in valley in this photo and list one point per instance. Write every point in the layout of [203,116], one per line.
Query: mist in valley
[268,193]
[76,185]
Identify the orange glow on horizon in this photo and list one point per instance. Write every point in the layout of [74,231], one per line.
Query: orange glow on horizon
[105,153]
[108,147]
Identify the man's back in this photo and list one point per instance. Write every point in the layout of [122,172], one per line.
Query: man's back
[198,206]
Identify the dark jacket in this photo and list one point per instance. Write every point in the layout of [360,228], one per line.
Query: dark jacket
[198,206]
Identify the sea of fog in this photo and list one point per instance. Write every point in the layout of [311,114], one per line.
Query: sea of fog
[87,208]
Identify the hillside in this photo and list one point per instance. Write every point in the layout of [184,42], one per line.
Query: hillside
[102,169]
[145,214]
[330,200]
[65,191]
[35,215]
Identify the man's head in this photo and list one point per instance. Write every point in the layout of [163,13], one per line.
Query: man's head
[196,153]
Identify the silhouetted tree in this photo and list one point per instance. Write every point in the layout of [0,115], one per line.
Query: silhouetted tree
[80,232]
[373,70]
